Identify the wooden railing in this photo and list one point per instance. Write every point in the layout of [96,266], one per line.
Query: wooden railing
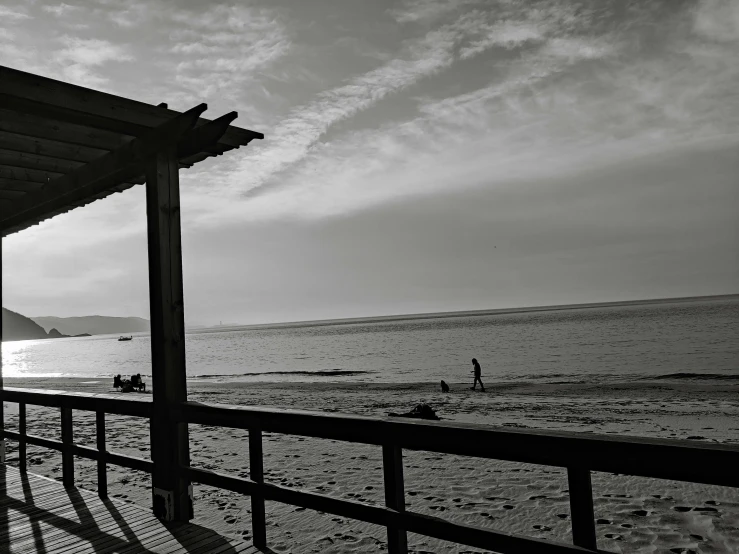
[66,402]
[580,454]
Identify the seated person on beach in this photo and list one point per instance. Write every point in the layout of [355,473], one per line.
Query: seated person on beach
[117,382]
[137,383]
[422,411]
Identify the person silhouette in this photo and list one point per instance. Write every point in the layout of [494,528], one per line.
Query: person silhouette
[478,371]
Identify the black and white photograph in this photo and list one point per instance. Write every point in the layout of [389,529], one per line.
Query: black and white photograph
[353,276]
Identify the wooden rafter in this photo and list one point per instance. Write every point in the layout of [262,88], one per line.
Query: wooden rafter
[32,94]
[98,175]
[51,133]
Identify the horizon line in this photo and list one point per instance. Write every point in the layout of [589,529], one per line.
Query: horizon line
[458,313]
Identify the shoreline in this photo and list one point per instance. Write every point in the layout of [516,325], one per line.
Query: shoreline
[654,409]
[685,382]
[634,514]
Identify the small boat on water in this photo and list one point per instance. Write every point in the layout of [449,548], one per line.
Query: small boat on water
[125,338]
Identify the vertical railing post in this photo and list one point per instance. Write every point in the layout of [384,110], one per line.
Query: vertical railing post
[67,456]
[256,473]
[102,466]
[22,461]
[392,465]
[581,507]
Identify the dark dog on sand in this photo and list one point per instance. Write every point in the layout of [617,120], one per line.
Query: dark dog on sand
[444,386]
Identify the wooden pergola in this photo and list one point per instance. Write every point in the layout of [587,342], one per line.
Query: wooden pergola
[63,146]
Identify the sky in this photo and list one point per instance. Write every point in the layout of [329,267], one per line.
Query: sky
[419,155]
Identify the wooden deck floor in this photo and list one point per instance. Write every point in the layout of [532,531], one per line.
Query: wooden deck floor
[39,515]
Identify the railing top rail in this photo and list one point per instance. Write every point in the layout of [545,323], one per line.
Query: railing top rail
[707,463]
[639,456]
[87,401]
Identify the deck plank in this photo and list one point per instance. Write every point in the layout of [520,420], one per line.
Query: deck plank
[39,515]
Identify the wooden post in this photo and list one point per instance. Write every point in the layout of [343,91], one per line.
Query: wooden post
[172,494]
[256,473]
[392,465]
[2,403]
[581,508]
[102,466]
[67,456]
[22,462]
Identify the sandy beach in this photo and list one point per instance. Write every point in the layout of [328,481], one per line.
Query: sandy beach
[633,514]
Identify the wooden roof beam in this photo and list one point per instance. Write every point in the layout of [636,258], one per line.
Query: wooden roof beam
[25,174]
[22,156]
[34,161]
[66,133]
[43,96]
[23,186]
[99,175]
[49,148]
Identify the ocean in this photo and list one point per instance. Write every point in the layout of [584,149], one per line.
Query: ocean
[697,339]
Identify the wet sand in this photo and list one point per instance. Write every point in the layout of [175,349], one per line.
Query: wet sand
[633,514]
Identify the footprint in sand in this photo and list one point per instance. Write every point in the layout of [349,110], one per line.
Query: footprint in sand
[614,536]
[602,521]
[542,528]
[640,513]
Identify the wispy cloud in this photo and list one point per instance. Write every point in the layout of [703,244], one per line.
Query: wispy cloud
[567,100]
[91,52]
[61,10]
[466,36]
[717,20]
[8,13]
[222,48]
[413,11]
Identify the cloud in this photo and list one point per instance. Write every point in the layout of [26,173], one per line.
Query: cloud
[78,58]
[60,10]
[221,48]
[717,20]
[507,34]
[414,11]
[13,14]
[423,57]
[91,52]
[566,103]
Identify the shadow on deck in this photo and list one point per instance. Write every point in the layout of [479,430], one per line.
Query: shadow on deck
[38,514]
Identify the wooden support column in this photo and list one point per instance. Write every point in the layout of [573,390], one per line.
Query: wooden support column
[172,494]
[2,404]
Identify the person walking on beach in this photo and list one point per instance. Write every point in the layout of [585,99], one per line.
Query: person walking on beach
[478,371]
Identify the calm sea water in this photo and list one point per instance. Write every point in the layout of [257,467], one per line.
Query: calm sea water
[679,340]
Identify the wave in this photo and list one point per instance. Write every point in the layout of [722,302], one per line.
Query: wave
[318,373]
[703,376]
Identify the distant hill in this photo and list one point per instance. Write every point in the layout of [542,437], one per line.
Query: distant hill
[19,327]
[93,324]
